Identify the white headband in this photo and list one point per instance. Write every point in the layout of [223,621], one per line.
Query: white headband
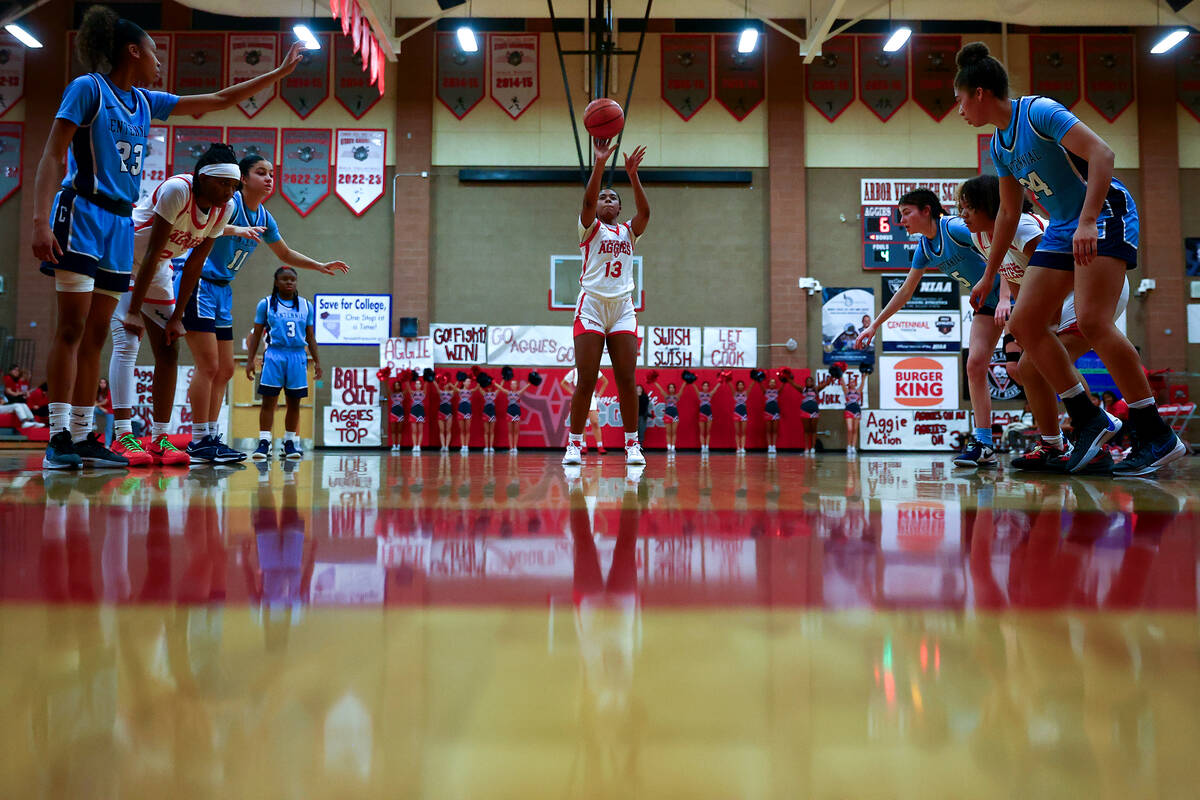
[222,171]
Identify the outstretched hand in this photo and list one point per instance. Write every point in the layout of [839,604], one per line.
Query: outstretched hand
[633,160]
[292,59]
[602,150]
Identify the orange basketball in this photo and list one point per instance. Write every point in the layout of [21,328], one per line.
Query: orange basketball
[603,118]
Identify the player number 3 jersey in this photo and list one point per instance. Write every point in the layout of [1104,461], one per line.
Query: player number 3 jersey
[607,259]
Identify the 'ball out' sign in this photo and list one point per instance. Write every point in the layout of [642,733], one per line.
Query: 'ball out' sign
[354,387]
[918,382]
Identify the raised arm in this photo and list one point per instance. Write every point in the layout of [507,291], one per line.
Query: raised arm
[296,259]
[230,96]
[642,218]
[898,301]
[601,150]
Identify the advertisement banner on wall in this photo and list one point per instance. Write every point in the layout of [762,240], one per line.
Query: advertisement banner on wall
[730,348]
[360,167]
[888,191]
[929,322]
[912,430]
[354,387]
[459,343]
[845,313]
[668,346]
[251,55]
[356,426]
[918,382]
[353,319]
[531,345]
[1001,386]
[414,353]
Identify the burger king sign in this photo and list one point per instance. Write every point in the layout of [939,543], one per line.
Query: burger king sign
[918,382]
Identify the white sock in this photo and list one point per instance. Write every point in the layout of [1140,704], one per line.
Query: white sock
[264,435]
[1054,441]
[1145,402]
[199,431]
[81,422]
[575,439]
[122,427]
[291,436]
[60,417]
[631,439]
[158,429]
[1074,390]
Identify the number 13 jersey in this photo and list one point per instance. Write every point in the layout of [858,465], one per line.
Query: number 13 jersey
[607,259]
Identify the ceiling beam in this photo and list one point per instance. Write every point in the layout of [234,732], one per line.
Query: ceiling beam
[820,31]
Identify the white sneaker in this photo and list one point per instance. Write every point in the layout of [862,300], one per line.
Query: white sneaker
[741,451]
[670,448]
[573,454]
[703,448]
[445,448]
[850,450]
[633,454]
[464,449]
[416,451]
[512,451]
[771,450]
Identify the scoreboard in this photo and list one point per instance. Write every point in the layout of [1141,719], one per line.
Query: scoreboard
[886,245]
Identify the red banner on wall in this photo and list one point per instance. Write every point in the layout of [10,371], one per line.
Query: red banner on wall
[351,85]
[1108,74]
[1187,74]
[1054,68]
[189,142]
[933,73]
[11,134]
[308,85]
[829,80]
[882,77]
[686,72]
[199,64]
[460,78]
[304,167]
[740,82]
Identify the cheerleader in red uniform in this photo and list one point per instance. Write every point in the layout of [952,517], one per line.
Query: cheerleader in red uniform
[704,396]
[513,389]
[396,392]
[415,391]
[771,410]
[670,409]
[741,412]
[489,389]
[810,407]
[853,413]
[465,387]
[445,410]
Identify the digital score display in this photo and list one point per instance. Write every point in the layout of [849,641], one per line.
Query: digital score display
[886,245]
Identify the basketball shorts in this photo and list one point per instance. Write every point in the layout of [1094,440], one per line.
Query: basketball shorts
[605,316]
[209,309]
[514,412]
[286,369]
[1068,322]
[1117,229]
[94,242]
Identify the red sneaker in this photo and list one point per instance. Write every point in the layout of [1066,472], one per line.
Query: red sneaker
[128,446]
[167,454]
[600,449]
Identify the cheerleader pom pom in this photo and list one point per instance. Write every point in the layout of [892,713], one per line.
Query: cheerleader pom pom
[785,375]
[535,379]
[485,380]
[689,376]
[428,375]
[506,373]
[757,375]
[867,368]
[726,376]
[475,370]
[460,376]
[835,370]
[652,376]
[383,374]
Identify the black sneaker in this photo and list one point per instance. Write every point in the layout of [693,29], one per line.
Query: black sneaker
[1090,438]
[228,454]
[1145,459]
[60,453]
[1101,464]
[1043,458]
[205,451]
[94,454]
[976,454]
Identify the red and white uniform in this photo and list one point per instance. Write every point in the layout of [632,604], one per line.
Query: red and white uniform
[605,304]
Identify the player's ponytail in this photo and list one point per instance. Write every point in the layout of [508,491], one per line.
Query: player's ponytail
[982,193]
[978,69]
[102,38]
[923,198]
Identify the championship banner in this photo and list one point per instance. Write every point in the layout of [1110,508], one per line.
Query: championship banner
[741,82]
[882,77]
[1054,68]
[252,55]
[304,167]
[351,84]
[10,159]
[154,160]
[189,143]
[912,430]
[730,347]
[199,63]
[360,167]
[352,427]
[416,353]
[513,58]
[459,344]
[252,142]
[164,43]
[686,72]
[460,76]
[929,322]
[673,346]
[12,72]
[829,79]
[531,345]
[308,85]
[918,382]
[353,319]
[933,73]
[1108,74]
[1187,74]
[354,387]
[845,313]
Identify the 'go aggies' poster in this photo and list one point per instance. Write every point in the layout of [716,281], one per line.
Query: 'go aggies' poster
[845,313]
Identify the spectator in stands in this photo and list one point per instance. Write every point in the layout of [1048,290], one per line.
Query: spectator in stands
[39,402]
[104,410]
[13,383]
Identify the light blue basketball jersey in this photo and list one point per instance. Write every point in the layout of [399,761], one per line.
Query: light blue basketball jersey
[287,322]
[1030,150]
[229,253]
[110,143]
[951,252]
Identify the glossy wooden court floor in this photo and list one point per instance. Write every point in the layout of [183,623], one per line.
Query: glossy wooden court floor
[385,626]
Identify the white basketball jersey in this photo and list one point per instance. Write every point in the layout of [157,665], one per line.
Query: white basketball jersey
[607,259]
[174,201]
[1029,227]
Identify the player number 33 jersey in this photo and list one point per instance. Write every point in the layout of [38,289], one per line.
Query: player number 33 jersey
[607,259]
